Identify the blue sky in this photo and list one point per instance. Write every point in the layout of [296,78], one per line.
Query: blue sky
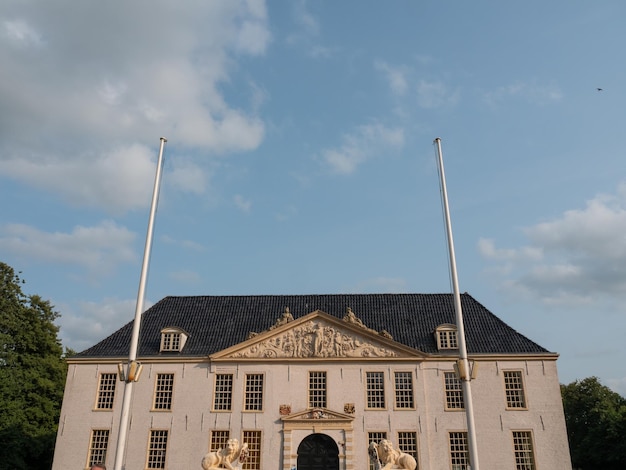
[300,157]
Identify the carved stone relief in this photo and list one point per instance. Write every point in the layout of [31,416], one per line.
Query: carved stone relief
[315,339]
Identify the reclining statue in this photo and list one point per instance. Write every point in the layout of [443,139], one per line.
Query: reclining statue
[226,457]
[385,457]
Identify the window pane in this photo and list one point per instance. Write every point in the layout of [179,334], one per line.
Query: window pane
[223,392]
[317,389]
[254,392]
[524,452]
[454,391]
[404,390]
[163,392]
[218,440]
[98,446]
[459,456]
[106,391]
[157,449]
[253,439]
[514,389]
[375,389]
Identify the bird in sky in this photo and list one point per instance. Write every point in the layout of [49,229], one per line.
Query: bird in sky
[599,89]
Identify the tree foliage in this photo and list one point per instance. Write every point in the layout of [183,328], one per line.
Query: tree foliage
[32,376]
[596,425]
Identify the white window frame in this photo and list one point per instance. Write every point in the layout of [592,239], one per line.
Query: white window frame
[404,393]
[105,398]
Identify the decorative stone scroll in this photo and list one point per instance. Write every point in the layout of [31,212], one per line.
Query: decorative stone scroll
[315,339]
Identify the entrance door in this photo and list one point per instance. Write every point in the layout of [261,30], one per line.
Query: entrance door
[318,452]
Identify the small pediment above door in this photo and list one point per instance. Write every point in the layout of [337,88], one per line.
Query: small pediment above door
[317,414]
[318,335]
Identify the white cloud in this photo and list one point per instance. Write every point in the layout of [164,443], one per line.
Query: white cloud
[242,203]
[99,249]
[396,77]
[579,257]
[20,33]
[435,94]
[533,92]
[86,323]
[365,142]
[107,82]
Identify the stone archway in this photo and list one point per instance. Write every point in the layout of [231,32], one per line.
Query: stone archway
[318,452]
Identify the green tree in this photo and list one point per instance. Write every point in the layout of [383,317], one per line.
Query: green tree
[596,425]
[32,376]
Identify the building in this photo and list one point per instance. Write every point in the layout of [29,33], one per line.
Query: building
[308,381]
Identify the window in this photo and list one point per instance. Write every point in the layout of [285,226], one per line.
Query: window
[106,391]
[375,436]
[157,449]
[218,440]
[172,339]
[254,392]
[407,443]
[253,439]
[223,398]
[514,389]
[163,392]
[98,446]
[524,452]
[459,454]
[447,336]
[404,390]
[454,392]
[375,389]
[317,389]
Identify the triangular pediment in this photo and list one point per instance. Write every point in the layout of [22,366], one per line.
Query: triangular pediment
[318,335]
[317,414]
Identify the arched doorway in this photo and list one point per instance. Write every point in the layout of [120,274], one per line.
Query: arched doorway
[318,452]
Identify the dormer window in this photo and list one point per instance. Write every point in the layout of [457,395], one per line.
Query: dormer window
[446,336]
[172,339]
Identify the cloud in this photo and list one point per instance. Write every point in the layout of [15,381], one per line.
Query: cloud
[99,249]
[242,204]
[396,77]
[533,92]
[87,92]
[435,94]
[577,257]
[365,142]
[86,323]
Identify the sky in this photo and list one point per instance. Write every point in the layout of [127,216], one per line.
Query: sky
[300,157]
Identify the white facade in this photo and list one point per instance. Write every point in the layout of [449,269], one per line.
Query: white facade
[287,372]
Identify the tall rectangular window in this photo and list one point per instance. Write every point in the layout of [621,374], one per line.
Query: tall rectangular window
[163,391]
[223,397]
[524,451]
[514,389]
[253,439]
[218,439]
[317,389]
[375,383]
[254,392]
[404,390]
[407,443]
[157,449]
[374,436]
[98,446]
[106,391]
[454,392]
[459,454]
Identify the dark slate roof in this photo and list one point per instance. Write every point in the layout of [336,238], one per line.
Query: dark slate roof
[214,323]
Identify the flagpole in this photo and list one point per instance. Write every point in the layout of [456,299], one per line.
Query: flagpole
[129,373]
[463,367]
